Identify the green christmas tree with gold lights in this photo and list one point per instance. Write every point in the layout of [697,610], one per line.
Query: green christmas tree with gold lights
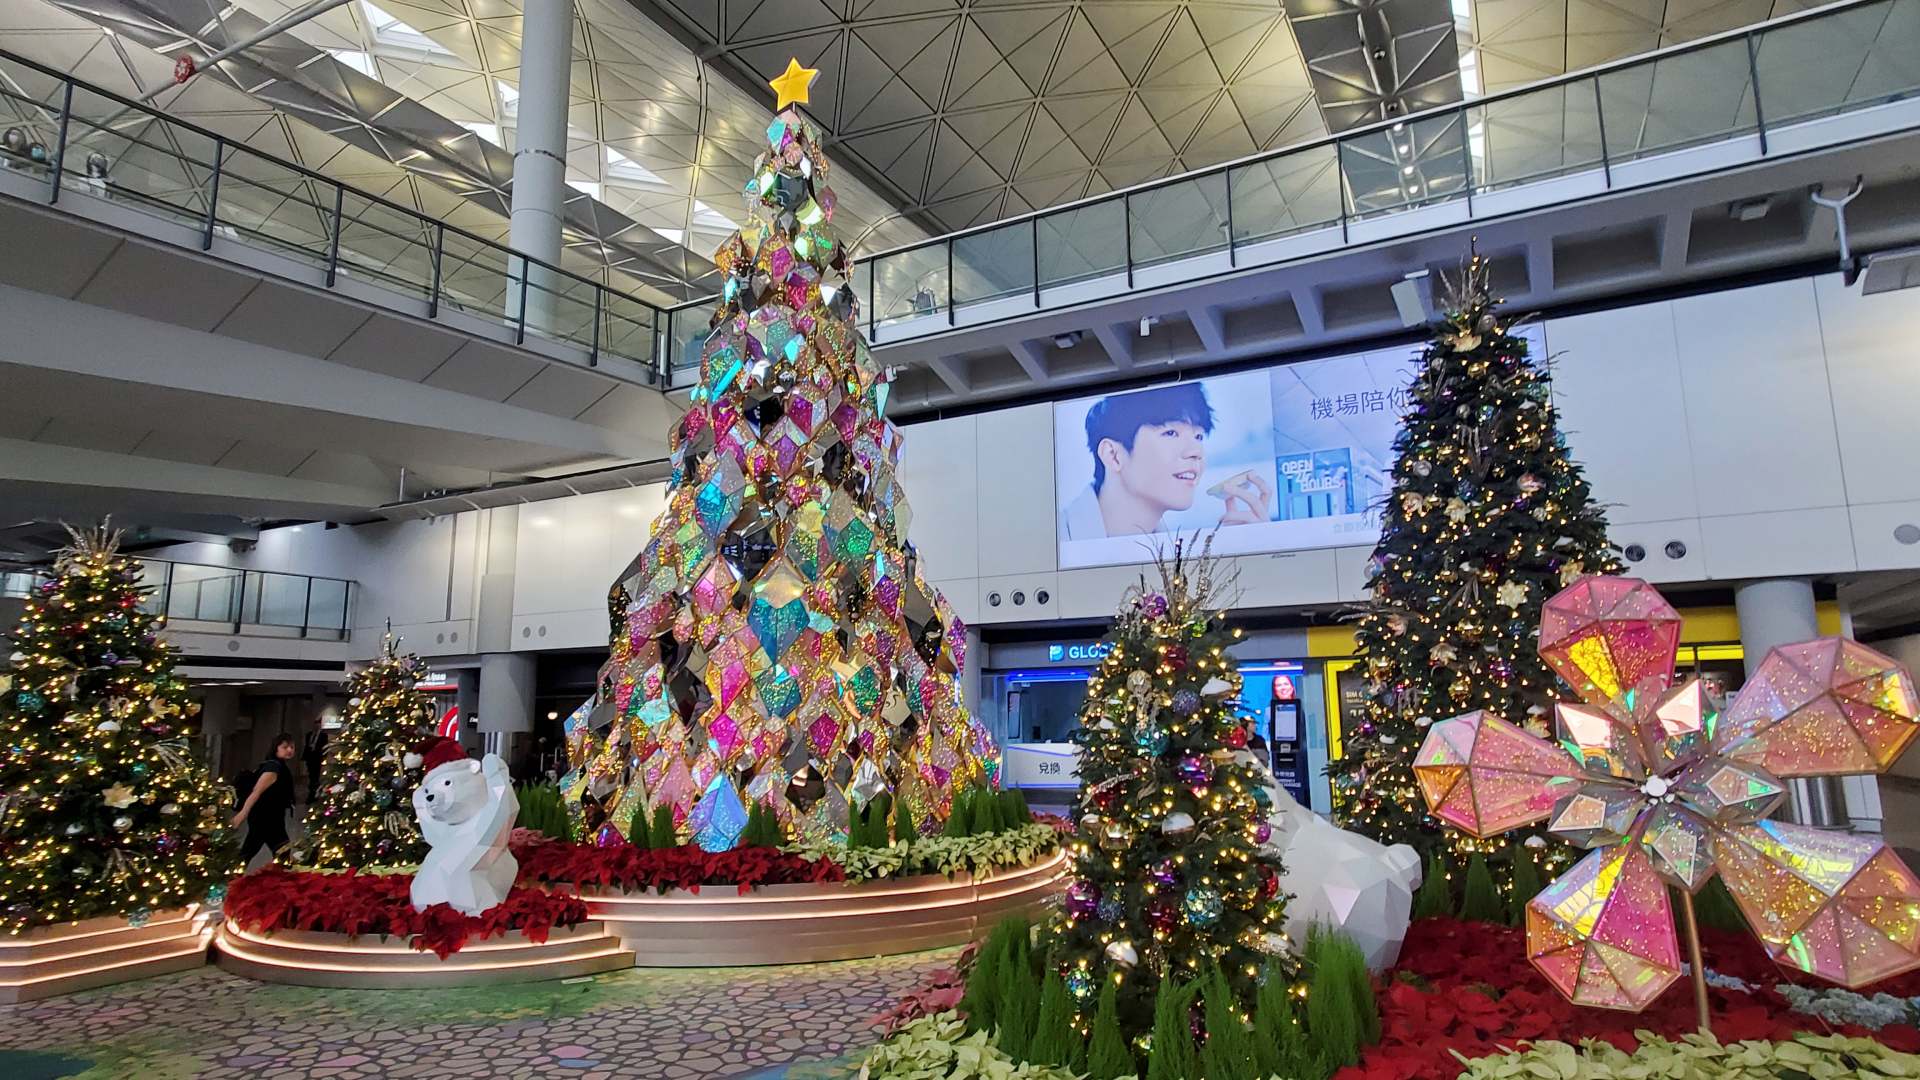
[1488,517]
[106,807]
[364,815]
[1174,876]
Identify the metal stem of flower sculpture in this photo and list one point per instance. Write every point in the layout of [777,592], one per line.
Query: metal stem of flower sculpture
[1667,789]
[775,641]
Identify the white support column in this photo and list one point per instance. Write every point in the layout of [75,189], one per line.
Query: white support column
[540,151]
[506,700]
[1780,611]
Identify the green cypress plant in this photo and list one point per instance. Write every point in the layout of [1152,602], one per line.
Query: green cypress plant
[1228,1053]
[1171,1056]
[661,834]
[1107,1055]
[905,829]
[1526,884]
[1280,1043]
[1479,900]
[962,811]
[981,1001]
[1054,1040]
[1433,897]
[1335,1019]
[983,813]
[1019,998]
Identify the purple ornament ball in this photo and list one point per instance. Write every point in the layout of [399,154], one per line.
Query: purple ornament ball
[1195,771]
[1083,899]
[1185,701]
[1164,872]
[1262,833]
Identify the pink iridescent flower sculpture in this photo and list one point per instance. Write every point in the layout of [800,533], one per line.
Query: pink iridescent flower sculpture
[1668,790]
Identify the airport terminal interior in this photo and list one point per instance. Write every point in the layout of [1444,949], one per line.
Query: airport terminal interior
[1044,540]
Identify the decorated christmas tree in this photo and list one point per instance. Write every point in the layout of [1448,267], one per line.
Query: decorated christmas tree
[775,641]
[1489,517]
[365,811]
[106,807]
[1173,877]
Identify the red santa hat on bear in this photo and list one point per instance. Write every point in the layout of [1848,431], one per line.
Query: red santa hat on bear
[435,752]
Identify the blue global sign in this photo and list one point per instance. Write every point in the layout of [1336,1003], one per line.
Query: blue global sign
[1088,650]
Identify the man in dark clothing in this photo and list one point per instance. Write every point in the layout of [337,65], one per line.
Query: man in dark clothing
[265,808]
[314,754]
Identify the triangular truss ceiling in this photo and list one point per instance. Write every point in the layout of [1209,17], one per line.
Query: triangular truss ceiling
[969,112]
[1524,41]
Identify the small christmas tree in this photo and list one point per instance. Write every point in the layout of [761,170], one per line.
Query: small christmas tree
[365,811]
[1172,876]
[1489,517]
[106,807]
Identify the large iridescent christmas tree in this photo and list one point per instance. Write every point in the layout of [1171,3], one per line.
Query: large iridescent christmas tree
[775,641]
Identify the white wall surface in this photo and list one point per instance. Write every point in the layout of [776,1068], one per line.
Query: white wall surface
[1767,430]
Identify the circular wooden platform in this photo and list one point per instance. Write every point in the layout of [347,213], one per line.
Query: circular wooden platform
[797,924]
[66,957]
[308,958]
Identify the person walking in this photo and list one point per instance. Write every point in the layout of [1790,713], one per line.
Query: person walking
[265,810]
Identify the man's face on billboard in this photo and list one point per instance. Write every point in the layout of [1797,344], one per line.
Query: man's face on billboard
[1163,467]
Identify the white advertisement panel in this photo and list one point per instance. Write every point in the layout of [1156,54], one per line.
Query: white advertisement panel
[1285,459]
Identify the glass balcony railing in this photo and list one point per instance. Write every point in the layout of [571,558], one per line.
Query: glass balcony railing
[1590,126]
[81,140]
[195,596]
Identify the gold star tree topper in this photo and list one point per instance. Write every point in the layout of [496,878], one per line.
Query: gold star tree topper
[793,84]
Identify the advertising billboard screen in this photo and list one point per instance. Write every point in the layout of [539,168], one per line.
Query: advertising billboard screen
[1285,459]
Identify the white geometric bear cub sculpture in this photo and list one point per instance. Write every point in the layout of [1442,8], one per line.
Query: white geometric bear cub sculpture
[466,810]
[1340,879]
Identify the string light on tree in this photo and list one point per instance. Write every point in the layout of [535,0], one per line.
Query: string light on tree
[364,815]
[1171,874]
[105,805]
[1489,516]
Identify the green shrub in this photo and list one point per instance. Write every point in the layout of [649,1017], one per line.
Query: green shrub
[763,828]
[1526,883]
[983,813]
[1014,811]
[1434,897]
[962,810]
[1107,1055]
[1279,1040]
[1228,1053]
[1019,996]
[982,998]
[1054,1040]
[1172,1055]
[544,811]
[662,834]
[1714,907]
[904,827]
[1480,900]
[1342,1015]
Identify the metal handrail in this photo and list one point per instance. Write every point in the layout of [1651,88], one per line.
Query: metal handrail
[434,231]
[1453,120]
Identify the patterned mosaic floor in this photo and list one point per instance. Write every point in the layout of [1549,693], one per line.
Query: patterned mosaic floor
[672,1025]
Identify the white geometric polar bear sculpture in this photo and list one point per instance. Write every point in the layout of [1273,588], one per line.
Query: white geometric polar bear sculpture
[1340,879]
[466,810]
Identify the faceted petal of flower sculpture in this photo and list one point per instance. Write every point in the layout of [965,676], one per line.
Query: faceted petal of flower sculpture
[1602,933]
[1483,776]
[1609,635]
[1821,708]
[1838,905]
[1729,793]
[1597,814]
[1603,742]
[1677,840]
[1676,730]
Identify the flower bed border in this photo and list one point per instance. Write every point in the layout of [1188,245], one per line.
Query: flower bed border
[816,922]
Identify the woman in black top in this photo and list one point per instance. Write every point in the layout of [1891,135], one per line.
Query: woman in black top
[265,810]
